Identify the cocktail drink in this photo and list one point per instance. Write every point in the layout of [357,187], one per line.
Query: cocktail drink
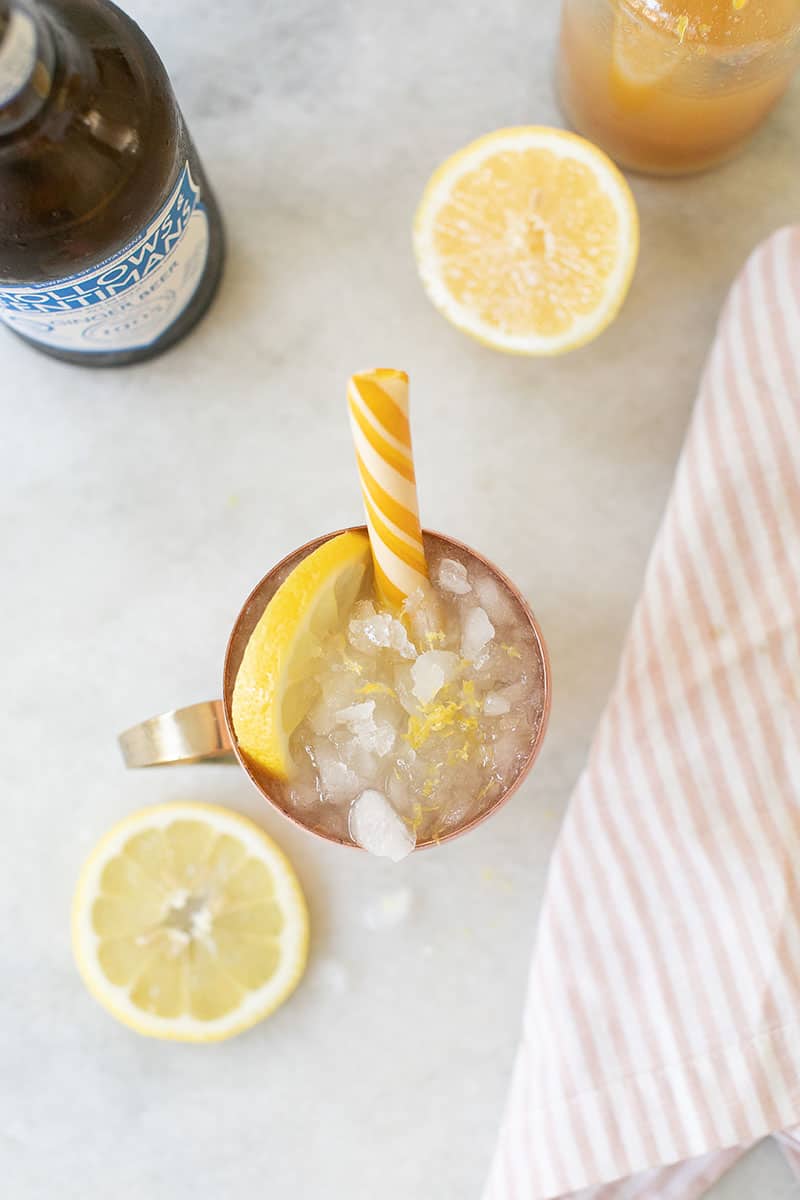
[415,723]
[388,688]
[671,86]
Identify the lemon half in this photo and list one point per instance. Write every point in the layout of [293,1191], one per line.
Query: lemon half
[527,240]
[188,923]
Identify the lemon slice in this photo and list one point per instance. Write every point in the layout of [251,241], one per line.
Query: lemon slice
[527,240]
[188,923]
[275,685]
[643,56]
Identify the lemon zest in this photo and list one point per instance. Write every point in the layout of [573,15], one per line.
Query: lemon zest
[484,791]
[468,694]
[420,812]
[435,637]
[377,689]
[462,754]
[445,718]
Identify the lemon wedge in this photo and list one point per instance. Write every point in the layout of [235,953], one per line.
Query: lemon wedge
[527,240]
[643,57]
[188,923]
[275,684]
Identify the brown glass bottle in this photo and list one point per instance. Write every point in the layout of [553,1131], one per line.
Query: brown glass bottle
[111,243]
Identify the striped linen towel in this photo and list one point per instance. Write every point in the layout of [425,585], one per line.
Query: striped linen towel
[662,1027]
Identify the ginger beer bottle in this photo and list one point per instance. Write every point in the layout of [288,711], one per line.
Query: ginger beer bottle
[111,243]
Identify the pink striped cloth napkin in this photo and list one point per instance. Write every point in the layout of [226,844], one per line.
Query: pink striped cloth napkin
[662,1027]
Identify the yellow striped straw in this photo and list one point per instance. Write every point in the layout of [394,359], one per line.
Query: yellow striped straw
[378,405]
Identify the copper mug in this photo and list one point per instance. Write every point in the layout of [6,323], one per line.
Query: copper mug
[205,731]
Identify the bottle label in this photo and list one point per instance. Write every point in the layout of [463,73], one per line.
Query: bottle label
[128,301]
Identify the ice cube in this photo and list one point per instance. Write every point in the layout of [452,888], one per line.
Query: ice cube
[337,783]
[416,600]
[494,599]
[424,614]
[400,792]
[362,760]
[304,798]
[403,685]
[495,704]
[337,691]
[303,790]
[497,668]
[379,631]
[508,756]
[381,739]
[406,756]
[399,640]
[476,632]
[357,714]
[371,735]
[517,693]
[370,632]
[375,737]
[452,577]
[376,827]
[431,671]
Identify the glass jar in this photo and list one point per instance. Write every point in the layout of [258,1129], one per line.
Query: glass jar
[671,86]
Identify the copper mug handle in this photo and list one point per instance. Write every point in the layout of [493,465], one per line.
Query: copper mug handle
[184,735]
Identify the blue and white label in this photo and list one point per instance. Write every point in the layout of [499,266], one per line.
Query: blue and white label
[127,302]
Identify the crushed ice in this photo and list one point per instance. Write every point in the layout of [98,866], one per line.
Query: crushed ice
[356,714]
[494,600]
[376,827]
[371,735]
[370,631]
[431,671]
[452,679]
[337,782]
[453,577]
[377,737]
[424,614]
[476,632]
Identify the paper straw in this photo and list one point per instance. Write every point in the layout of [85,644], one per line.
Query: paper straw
[378,405]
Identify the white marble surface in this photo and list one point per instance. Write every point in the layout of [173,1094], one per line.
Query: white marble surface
[139,506]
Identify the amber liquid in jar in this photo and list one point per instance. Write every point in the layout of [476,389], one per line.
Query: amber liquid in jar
[672,86]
